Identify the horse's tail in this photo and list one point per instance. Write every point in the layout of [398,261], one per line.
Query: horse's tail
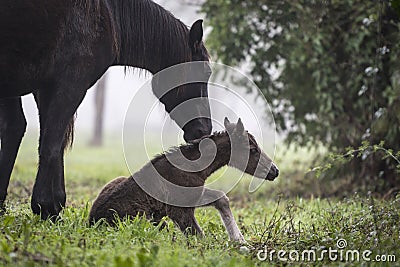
[69,134]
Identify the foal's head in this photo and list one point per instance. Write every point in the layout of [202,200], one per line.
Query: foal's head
[188,104]
[246,155]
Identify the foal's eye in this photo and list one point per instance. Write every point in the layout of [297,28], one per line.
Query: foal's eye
[253,150]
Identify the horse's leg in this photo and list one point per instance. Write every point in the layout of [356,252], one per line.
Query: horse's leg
[12,129]
[42,102]
[56,110]
[222,205]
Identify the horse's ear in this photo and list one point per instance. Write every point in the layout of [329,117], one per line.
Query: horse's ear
[196,35]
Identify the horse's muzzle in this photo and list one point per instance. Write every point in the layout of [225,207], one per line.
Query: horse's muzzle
[196,129]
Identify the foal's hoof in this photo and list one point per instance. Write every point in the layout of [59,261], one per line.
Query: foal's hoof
[244,250]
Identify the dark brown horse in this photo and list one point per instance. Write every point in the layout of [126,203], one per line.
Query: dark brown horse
[58,49]
[127,197]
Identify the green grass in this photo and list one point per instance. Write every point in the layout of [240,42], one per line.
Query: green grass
[269,219]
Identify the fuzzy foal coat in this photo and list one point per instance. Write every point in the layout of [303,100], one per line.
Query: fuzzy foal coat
[124,197]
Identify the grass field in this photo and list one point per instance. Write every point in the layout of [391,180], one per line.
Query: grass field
[270,219]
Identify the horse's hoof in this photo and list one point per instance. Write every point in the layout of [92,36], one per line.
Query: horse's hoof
[46,210]
[2,208]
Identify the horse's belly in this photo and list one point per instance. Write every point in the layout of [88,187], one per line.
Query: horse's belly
[7,92]
[17,77]
[29,32]
[50,43]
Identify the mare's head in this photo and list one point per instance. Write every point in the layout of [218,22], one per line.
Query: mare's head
[188,104]
[246,155]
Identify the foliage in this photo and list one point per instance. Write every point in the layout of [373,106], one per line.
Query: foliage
[329,68]
[396,6]
[363,151]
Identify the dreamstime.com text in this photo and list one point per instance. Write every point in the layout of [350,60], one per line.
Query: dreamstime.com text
[340,253]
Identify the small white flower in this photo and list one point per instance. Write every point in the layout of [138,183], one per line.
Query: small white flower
[367,21]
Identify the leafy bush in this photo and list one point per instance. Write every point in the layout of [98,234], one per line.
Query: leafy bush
[330,70]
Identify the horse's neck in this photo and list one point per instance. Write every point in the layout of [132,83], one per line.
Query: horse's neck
[148,36]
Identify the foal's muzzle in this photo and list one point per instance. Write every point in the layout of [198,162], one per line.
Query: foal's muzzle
[273,173]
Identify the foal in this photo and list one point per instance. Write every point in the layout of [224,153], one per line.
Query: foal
[234,147]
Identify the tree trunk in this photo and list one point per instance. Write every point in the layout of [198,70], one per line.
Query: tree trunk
[99,103]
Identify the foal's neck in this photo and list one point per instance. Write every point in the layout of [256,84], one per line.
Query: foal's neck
[222,143]
[148,36]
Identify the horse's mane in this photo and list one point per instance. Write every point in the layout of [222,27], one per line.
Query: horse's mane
[91,7]
[146,30]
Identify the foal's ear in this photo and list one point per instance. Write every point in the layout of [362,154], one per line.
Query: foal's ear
[239,130]
[227,123]
[229,127]
[196,35]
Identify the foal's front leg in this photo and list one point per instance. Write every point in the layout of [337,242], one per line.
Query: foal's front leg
[184,218]
[56,108]
[222,205]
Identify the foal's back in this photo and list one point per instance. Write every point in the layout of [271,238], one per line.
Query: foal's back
[107,198]
[122,197]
